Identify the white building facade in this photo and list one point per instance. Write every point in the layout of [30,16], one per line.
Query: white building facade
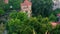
[56,4]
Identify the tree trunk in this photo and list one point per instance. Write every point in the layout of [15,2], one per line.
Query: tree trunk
[34,31]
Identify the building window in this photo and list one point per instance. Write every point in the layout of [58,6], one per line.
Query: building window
[55,4]
[25,7]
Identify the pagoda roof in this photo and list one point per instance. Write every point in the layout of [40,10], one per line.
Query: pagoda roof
[26,3]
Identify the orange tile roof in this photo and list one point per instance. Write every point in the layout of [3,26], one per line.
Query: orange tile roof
[54,23]
[26,3]
[6,1]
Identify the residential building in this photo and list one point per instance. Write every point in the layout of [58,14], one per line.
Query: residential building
[56,4]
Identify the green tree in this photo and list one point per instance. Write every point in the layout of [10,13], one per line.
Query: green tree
[2,28]
[18,27]
[1,12]
[45,25]
[6,7]
[2,3]
[21,15]
[53,18]
[55,30]
[15,4]
[42,7]
[55,12]
[19,24]
[39,27]
[13,14]
[16,24]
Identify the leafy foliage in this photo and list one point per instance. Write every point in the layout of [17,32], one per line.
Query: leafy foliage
[1,12]
[42,7]
[53,18]
[6,7]
[19,24]
[55,12]
[2,28]
[21,15]
[56,30]
[2,3]
[15,4]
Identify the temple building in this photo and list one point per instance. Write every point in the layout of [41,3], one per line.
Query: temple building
[26,7]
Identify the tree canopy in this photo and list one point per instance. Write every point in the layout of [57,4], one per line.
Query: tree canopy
[2,3]
[19,23]
[15,4]
[42,7]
